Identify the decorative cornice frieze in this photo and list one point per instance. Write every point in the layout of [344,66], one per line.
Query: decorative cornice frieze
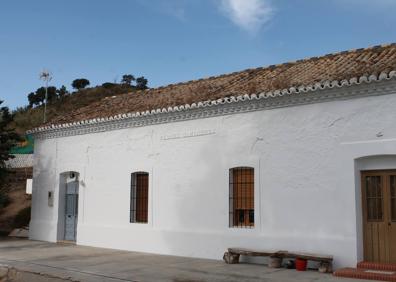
[373,85]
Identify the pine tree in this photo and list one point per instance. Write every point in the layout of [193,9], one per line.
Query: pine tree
[8,139]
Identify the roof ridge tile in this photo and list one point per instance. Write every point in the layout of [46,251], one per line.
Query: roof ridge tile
[340,69]
[232,99]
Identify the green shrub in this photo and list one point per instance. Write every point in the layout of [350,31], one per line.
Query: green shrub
[27,117]
[22,218]
[108,85]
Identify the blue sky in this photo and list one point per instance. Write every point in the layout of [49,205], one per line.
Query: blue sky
[170,41]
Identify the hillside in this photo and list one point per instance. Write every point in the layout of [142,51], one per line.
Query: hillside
[27,118]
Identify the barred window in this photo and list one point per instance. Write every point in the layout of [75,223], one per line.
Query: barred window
[139,197]
[241,197]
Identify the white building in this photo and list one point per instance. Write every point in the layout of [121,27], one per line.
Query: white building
[251,166]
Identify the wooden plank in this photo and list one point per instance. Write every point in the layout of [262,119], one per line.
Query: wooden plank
[382,246]
[283,254]
[309,256]
[368,247]
[255,253]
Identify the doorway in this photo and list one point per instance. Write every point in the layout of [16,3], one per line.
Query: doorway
[71,212]
[68,206]
[379,215]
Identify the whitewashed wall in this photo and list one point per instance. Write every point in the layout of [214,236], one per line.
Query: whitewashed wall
[306,191]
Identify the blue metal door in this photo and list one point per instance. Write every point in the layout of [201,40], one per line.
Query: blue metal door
[71,212]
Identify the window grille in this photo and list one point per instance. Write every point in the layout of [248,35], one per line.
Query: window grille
[241,197]
[374,198]
[139,197]
[393,197]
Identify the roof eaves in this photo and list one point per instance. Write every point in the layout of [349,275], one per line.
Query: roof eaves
[232,99]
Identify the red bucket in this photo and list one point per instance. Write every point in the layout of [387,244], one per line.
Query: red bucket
[301,264]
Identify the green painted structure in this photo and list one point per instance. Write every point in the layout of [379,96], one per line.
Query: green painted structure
[24,147]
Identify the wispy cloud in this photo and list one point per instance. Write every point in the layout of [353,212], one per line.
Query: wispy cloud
[174,9]
[249,15]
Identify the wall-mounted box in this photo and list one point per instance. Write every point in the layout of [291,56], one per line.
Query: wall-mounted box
[50,198]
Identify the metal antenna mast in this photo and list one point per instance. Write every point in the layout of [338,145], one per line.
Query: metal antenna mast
[45,76]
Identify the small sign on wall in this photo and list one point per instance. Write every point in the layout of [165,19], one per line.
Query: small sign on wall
[195,133]
[50,198]
[29,185]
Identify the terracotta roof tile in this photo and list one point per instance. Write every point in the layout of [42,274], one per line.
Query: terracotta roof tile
[338,66]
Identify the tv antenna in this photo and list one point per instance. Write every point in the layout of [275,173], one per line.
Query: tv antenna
[45,76]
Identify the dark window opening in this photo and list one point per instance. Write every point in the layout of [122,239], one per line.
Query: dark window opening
[139,197]
[241,197]
[251,216]
[241,216]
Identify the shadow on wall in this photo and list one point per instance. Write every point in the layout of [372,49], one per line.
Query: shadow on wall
[48,194]
[197,201]
[200,199]
[42,181]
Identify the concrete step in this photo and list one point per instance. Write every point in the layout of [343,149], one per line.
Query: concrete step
[368,274]
[377,266]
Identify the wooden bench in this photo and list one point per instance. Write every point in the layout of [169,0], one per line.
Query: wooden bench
[325,261]
[233,254]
